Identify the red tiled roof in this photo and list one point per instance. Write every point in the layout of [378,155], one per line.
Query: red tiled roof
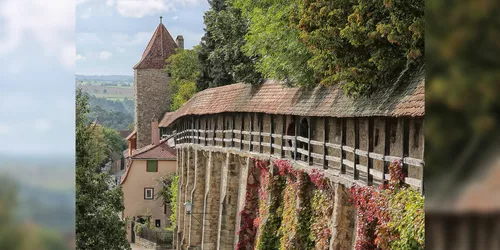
[160,151]
[165,118]
[407,99]
[160,47]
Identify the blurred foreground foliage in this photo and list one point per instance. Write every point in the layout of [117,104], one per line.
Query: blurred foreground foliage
[463,88]
[17,235]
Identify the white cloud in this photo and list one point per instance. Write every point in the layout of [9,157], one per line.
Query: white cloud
[42,124]
[50,26]
[79,57]
[141,8]
[105,55]
[175,17]
[4,129]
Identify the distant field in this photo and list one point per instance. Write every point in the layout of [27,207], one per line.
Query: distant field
[109,92]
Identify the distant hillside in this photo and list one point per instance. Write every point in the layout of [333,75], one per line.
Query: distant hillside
[105,78]
[117,114]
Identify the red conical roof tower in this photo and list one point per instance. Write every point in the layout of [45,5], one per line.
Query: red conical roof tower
[159,48]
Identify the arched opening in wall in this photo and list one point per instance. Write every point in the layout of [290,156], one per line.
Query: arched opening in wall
[304,132]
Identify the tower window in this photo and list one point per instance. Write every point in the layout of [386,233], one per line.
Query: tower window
[169,74]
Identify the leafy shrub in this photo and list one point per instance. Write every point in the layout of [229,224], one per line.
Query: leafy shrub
[138,229]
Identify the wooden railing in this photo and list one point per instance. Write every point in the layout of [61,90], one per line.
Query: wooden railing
[301,151]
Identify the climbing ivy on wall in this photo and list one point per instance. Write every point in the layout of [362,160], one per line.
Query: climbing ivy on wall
[250,213]
[295,209]
[269,236]
[392,217]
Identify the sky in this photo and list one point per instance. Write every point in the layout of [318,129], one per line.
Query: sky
[44,43]
[37,64]
[111,35]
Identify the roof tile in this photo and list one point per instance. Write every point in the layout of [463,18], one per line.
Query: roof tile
[407,99]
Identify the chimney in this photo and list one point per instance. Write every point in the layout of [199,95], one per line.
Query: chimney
[132,145]
[180,41]
[155,132]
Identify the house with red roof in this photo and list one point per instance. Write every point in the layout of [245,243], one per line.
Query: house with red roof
[140,185]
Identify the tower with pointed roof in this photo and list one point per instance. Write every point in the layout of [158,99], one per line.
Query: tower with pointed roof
[151,82]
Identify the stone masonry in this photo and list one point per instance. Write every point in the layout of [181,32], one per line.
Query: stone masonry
[151,101]
[215,181]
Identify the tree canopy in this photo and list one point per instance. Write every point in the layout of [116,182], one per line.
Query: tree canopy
[184,68]
[222,59]
[362,45]
[97,205]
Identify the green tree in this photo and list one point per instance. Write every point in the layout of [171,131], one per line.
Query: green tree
[168,194]
[222,59]
[363,43]
[185,70]
[274,38]
[113,140]
[97,205]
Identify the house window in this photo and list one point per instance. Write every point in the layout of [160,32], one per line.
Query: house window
[149,193]
[152,166]
[157,223]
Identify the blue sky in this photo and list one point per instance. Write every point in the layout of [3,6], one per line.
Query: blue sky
[44,43]
[111,35]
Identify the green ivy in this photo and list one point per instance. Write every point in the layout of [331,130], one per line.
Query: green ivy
[174,189]
[406,209]
[269,237]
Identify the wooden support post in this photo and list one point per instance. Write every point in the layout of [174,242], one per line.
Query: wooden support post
[356,146]
[309,135]
[406,143]
[192,131]
[369,177]
[343,142]
[387,146]
[251,130]
[232,129]
[271,139]
[199,128]
[223,129]
[214,135]
[242,137]
[283,133]
[295,122]
[325,139]
[175,135]
[260,118]
[205,134]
